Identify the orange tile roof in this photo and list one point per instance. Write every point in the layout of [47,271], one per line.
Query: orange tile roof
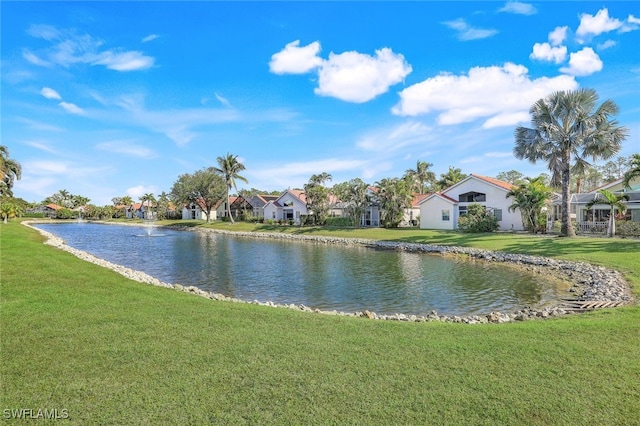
[502,184]
[417,198]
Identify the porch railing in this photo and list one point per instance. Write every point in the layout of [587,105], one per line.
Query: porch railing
[586,227]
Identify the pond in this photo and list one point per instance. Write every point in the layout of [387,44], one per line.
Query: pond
[326,277]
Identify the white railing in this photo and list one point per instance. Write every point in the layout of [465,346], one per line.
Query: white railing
[586,227]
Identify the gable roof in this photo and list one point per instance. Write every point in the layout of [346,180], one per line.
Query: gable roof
[53,206]
[438,195]
[505,186]
[417,199]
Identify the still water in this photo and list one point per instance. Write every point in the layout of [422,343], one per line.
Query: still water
[320,276]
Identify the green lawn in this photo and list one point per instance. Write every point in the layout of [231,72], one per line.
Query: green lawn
[111,351]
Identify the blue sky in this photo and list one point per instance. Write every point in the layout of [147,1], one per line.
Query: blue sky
[107,99]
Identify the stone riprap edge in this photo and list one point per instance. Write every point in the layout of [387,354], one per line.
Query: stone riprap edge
[589,282]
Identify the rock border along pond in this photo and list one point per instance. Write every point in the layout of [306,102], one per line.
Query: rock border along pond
[590,283]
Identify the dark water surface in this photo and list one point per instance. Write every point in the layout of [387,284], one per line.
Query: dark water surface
[327,277]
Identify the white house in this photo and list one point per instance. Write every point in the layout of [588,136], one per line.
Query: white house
[197,211]
[442,210]
[291,205]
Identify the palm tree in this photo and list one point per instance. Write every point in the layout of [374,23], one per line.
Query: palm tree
[230,168]
[10,170]
[422,177]
[568,127]
[530,197]
[149,199]
[317,196]
[615,202]
[633,172]
[451,177]
[395,197]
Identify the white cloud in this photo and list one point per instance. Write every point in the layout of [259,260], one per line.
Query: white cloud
[606,45]
[294,59]
[519,8]
[544,52]
[591,25]
[397,137]
[127,148]
[558,35]
[125,61]
[41,146]
[224,101]
[501,95]
[72,108]
[150,37]
[296,174]
[69,48]
[138,191]
[34,59]
[49,93]
[584,62]
[356,77]
[466,32]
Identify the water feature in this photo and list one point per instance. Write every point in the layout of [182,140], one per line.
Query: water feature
[344,278]
[150,230]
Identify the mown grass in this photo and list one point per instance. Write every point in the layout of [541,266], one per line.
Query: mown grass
[111,351]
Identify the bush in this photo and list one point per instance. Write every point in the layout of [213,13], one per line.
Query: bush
[627,228]
[339,222]
[63,214]
[478,219]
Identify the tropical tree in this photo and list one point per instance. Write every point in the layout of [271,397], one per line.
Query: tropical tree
[512,176]
[147,200]
[395,197]
[633,172]
[318,197]
[9,210]
[355,197]
[421,177]
[567,129]
[451,177]
[615,202]
[10,171]
[205,188]
[530,197]
[229,168]
[162,207]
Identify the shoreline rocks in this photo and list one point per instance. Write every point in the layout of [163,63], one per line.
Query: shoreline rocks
[589,282]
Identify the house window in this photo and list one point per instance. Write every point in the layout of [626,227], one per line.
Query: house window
[472,197]
[446,215]
[497,213]
[274,215]
[462,210]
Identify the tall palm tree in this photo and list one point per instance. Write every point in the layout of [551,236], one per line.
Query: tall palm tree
[229,167]
[149,199]
[569,128]
[615,202]
[633,172]
[421,176]
[10,171]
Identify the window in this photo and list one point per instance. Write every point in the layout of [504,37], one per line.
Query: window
[446,215]
[497,213]
[462,210]
[472,197]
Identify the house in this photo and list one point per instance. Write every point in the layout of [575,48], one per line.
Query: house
[291,205]
[441,210]
[596,218]
[259,201]
[49,210]
[197,211]
[412,214]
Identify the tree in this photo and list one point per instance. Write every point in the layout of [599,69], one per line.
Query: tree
[421,177]
[10,171]
[355,197]
[162,207]
[451,177]
[633,172]
[395,197]
[148,200]
[229,168]
[512,176]
[615,202]
[205,188]
[318,197]
[568,128]
[9,210]
[478,219]
[529,197]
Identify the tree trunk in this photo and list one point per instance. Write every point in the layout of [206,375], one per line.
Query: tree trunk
[611,231]
[229,206]
[567,228]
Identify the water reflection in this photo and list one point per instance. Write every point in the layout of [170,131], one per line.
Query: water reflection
[321,276]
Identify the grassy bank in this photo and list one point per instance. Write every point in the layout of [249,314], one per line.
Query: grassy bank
[112,351]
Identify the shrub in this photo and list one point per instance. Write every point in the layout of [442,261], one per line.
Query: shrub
[627,228]
[478,219]
[63,214]
[339,222]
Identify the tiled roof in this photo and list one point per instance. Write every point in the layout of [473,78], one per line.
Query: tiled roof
[502,184]
[417,198]
[54,206]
